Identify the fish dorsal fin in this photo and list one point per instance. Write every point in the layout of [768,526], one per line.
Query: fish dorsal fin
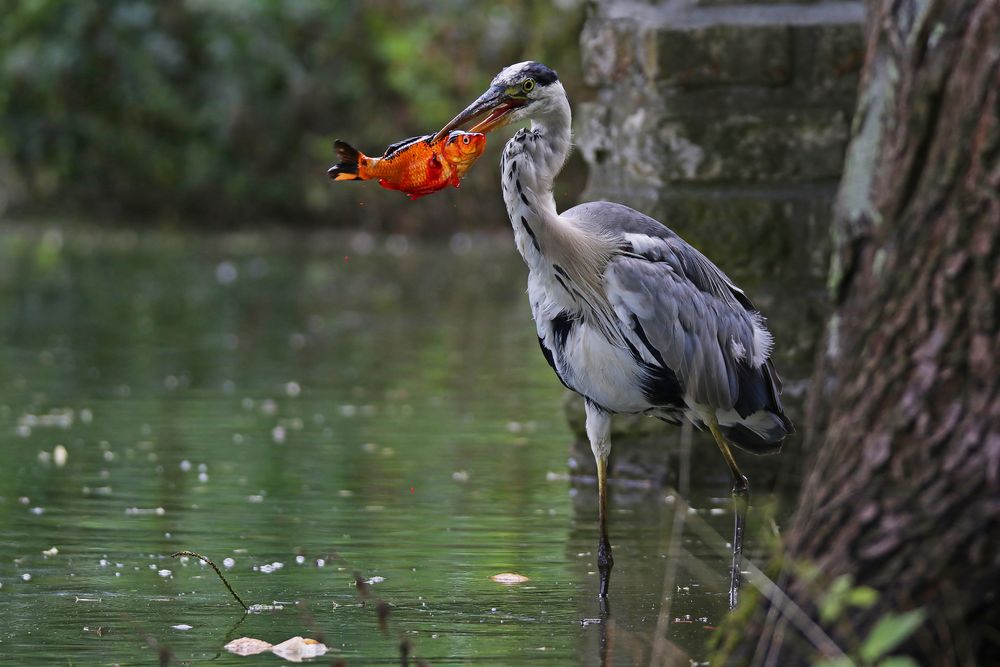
[400,145]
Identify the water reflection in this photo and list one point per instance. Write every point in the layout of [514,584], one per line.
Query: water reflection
[303,408]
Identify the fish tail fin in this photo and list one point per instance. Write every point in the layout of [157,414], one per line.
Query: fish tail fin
[350,160]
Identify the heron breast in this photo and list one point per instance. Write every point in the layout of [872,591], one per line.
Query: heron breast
[590,365]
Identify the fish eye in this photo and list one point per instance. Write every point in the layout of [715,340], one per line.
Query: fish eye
[465,139]
[528,85]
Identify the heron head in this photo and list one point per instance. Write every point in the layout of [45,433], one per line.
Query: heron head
[517,92]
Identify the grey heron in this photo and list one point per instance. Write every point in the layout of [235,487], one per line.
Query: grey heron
[628,314]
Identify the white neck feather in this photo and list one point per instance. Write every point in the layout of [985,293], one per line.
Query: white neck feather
[548,242]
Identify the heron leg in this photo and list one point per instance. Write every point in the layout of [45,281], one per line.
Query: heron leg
[599,434]
[741,499]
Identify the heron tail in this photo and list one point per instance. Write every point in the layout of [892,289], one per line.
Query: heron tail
[350,159]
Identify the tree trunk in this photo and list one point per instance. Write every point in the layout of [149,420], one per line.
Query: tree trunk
[903,494]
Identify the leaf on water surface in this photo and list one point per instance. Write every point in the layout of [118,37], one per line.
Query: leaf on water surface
[298,649]
[247,646]
[295,649]
[509,578]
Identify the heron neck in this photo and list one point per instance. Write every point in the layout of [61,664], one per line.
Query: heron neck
[551,129]
[558,250]
[531,161]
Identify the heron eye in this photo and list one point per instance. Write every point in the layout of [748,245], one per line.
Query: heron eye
[528,85]
[465,140]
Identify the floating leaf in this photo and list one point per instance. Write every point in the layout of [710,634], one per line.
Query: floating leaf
[509,578]
[891,631]
[298,649]
[247,646]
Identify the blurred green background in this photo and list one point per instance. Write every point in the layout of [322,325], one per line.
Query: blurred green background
[223,112]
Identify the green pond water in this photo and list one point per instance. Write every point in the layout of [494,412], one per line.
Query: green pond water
[311,407]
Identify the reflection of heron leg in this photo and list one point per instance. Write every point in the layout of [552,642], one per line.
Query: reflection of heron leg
[599,434]
[741,498]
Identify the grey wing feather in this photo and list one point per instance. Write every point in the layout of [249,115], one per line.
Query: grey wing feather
[668,247]
[669,295]
[697,335]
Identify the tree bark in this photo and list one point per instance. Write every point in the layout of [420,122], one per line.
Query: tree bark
[903,494]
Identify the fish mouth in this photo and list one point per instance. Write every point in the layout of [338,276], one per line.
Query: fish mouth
[494,102]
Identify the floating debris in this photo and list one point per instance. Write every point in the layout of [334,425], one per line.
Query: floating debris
[226,273]
[247,646]
[298,649]
[268,568]
[182,626]
[509,578]
[51,552]
[59,456]
[375,580]
[140,511]
[56,418]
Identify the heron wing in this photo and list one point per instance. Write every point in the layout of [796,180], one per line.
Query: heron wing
[678,309]
[656,242]
[702,338]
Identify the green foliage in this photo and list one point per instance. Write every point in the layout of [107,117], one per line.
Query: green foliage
[226,109]
[843,594]
[891,631]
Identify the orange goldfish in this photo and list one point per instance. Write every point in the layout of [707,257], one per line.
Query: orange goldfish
[417,166]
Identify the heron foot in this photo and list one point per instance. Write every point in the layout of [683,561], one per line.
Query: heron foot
[741,486]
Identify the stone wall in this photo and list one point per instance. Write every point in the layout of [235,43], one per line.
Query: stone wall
[728,120]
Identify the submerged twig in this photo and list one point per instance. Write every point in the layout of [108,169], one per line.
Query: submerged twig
[217,571]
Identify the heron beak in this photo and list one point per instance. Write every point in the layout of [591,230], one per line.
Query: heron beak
[494,101]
